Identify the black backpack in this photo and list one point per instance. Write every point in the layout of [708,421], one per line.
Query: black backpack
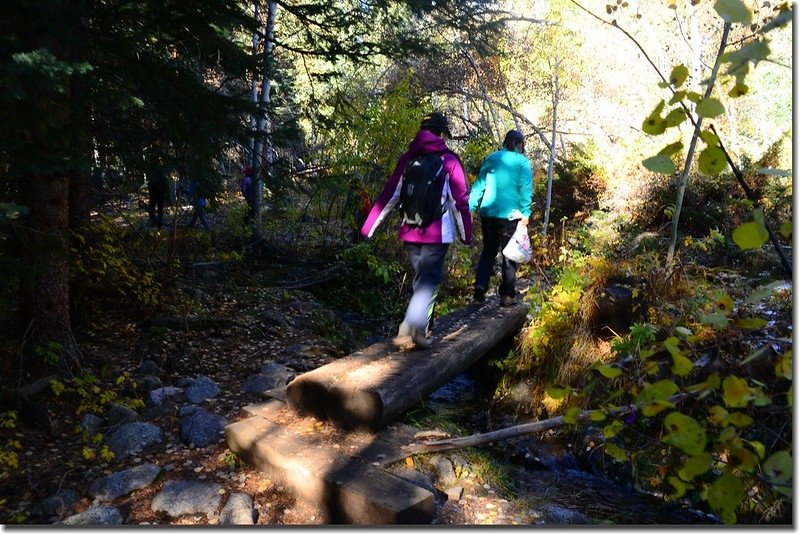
[420,198]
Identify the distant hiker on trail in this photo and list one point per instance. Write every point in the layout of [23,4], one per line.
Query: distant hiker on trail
[503,193]
[430,222]
[199,202]
[157,186]
[248,191]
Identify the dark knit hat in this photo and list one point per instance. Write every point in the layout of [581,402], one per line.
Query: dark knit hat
[513,136]
[436,122]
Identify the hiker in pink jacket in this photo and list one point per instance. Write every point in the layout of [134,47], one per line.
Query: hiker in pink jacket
[426,242]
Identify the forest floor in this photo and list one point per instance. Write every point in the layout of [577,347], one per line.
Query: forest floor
[247,324]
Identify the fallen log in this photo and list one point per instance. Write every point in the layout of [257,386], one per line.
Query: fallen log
[479,439]
[369,388]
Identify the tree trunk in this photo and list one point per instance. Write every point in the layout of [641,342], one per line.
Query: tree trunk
[251,140]
[552,152]
[371,387]
[262,150]
[673,238]
[44,286]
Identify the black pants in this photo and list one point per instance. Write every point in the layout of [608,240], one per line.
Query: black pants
[496,233]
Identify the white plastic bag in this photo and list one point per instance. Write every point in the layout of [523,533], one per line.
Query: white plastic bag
[518,248]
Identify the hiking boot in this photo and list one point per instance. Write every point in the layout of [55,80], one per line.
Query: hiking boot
[508,301]
[480,294]
[420,340]
[403,338]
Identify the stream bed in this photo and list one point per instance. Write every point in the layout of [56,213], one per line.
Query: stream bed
[545,472]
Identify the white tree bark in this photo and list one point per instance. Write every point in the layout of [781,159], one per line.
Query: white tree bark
[262,150]
[552,150]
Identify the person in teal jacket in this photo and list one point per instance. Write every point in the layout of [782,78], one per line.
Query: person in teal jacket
[503,192]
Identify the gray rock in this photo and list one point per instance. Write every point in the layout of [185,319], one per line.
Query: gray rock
[186,410]
[185,382]
[454,493]
[256,384]
[178,498]
[91,423]
[555,514]
[119,484]
[149,382]
[443,468]
[148,367]
[460,466]
[238,510]
[98,514]
[202,428]
[56,505]
[201,389]
[132,437]
[157,396]
[118,414]
[416,477]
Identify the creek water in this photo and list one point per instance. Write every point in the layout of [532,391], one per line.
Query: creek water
[546,473]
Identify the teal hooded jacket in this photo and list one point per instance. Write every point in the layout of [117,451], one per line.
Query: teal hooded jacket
[503,184]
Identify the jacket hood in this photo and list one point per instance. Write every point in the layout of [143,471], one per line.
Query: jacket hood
[426,142]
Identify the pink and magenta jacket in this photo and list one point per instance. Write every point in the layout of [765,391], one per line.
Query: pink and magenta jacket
[454,196]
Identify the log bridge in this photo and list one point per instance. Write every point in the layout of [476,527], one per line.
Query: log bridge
[331,433]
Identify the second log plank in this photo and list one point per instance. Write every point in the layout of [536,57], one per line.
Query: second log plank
[371,387]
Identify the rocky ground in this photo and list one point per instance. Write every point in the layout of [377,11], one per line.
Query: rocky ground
[171,465]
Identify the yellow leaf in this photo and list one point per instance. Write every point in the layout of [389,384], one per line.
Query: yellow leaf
[409,462]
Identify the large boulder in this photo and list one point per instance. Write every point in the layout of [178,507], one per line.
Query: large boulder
[133,437]
[119,484]
[179,498]
[201,389]
[201,428]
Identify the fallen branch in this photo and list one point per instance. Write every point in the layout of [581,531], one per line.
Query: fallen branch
[514,431]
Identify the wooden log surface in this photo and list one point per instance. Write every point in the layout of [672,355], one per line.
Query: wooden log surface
[371,387]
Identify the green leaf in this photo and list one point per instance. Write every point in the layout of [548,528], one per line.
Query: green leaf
[696,465]
[780,20]
[558,392]
[786,229]
[762,292]
[739,90]
[659,390]
[724,496]
[783,368]
[679,486]
[655,407]
[660,163]
[609,371]
[736,392]
[694,97]
[778,470]
[671,149]
[754,51]
[709,138]
[681,366]
[733,11]
[679,75]
[751,323]
[597,416]
[685,433]
[739,419]
[571,416]
[712,161]
[675,117]
[683,331]
[677,97]
[615,452]
[718,416]
[672,344]
[710,107]
[612,429]
[654,124]
[751,235]
[716,319]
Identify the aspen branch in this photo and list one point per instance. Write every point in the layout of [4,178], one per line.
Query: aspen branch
[517,430]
